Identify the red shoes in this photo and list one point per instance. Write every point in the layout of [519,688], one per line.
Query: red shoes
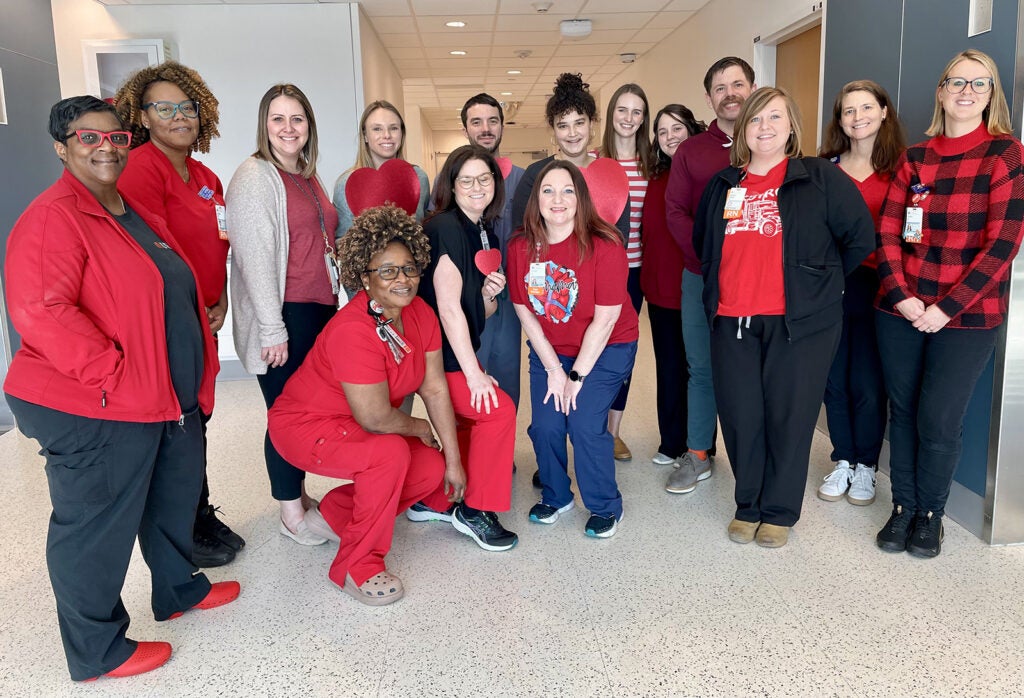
[220,593]
[146,657]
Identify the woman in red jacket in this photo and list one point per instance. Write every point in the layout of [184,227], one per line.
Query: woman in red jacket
[172,113]
[116,363]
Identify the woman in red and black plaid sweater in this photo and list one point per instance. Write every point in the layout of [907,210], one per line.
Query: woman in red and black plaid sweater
[950,227]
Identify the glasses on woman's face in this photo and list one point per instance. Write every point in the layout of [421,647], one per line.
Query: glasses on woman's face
[411,271]
[485,180]
[979,86]
[94,139]
[167,110]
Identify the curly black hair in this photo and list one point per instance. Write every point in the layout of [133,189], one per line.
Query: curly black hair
[371,232]
[571,94]
[128,101]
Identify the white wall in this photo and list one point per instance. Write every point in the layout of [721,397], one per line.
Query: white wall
[380,76]
[515,142]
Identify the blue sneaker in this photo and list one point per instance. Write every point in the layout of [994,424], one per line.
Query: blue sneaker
[546,514]
[421,512]
[602,526]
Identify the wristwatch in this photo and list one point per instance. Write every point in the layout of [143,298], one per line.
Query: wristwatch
[575,376]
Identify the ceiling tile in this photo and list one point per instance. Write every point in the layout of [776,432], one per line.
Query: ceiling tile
[385,8]
[670,19]
[532,23]
[613,6]
[619,20]
[573,50]
[609,36]
[406,52]
[393,25]
[399,40]
[685,5]
[454,7]
[450,41]
[525,7]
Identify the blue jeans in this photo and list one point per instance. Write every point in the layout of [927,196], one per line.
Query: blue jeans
[702,413]
[586,427]
[501,348]
[930,379]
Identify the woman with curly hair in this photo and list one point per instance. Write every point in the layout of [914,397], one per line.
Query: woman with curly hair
[338,416]
[171,113]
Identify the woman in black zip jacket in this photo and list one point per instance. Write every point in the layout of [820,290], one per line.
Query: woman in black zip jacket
[776,233]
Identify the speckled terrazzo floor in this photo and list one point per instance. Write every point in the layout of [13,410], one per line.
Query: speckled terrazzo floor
[668,607]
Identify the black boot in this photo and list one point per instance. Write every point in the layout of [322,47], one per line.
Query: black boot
[926,541]
[208,523]
[897,530]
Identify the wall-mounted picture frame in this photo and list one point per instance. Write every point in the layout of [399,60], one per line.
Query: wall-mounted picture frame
[109,61]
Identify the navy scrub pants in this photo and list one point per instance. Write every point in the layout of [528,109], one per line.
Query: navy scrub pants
[110,482]
[768,390]
[587,428]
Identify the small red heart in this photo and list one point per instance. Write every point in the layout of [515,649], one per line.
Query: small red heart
[504,166]
[395,182]
[488,260]
[609,188]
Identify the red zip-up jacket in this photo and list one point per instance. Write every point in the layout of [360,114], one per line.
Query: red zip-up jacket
[89,305]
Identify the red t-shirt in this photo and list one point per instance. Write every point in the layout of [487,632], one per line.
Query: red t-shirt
[307,280]
[572,289]
[874,189]
[348,350]
[751,270]
[188,208]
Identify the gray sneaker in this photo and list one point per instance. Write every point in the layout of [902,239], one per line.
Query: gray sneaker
[691,470]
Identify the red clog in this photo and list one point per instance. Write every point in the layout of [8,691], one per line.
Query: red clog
[220,593]
[146,657]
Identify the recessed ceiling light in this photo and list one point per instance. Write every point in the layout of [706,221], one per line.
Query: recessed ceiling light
[506,94]
[457,53]
[514,72]
[455,24]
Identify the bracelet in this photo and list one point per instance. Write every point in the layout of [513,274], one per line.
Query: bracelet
[553,368]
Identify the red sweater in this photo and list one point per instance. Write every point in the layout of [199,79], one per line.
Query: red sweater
[661,275]
[972,227]
[88,303]
[697,160]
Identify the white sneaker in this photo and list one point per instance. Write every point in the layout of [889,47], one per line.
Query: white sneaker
[837,482]
[862,486]
[660,458]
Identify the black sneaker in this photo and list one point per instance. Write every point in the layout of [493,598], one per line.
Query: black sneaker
[420,512]
[897,530]
[484,528]
[536,480]
[602,526]
[547,514]
[208,551]
[208,523]
[926,540]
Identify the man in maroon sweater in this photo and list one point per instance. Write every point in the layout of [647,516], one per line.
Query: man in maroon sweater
[727,85]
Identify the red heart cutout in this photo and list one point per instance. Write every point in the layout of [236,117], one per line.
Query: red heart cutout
[395,182]
[488,260]
[504,166]
[609,188]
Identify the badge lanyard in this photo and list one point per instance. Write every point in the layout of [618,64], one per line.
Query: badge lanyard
[734,200]
[398,346]
[329,256]
[535,281]
[219,210]
[485,242]
[913,224]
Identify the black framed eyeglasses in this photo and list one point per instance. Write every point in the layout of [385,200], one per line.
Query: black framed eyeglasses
[92,138]
[167,110]
[979,86]
[411,271]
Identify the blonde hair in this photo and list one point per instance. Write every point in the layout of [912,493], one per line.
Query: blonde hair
[996,115]
[739,155]
[363,156]
[310,152]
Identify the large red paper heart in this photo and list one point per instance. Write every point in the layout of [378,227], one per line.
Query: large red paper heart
[504,166]
[609,188]
[488,260]
[395,182]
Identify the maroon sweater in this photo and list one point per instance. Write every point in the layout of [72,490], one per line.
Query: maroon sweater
[972,227]
[697,160]
[661,275]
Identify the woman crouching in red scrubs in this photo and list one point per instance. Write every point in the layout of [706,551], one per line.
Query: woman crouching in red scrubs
[338,415]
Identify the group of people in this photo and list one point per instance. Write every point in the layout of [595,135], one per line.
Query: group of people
[874,277]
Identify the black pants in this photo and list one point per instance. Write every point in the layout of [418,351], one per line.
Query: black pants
[855,402]
[303,321]
[110,481]
[769,391]
[930,379]
[636,297]
[672,377]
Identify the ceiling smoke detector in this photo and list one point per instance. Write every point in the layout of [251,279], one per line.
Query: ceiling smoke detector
[541,6]
[523,53]
[627,57]
[575,28]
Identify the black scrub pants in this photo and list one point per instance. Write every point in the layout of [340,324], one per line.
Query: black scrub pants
[769,391]
[110,481]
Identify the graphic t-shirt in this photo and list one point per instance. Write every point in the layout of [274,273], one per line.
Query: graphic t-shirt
[751,269]
[571,290]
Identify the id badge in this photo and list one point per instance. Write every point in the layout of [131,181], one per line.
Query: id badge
[913,224]
[333,273]
[222,220]
[535,281]
[734,203]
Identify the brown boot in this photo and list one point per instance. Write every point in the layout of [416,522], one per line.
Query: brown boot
[772,536]
[742,531]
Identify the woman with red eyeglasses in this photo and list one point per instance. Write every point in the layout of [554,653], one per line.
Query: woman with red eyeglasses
[115,367]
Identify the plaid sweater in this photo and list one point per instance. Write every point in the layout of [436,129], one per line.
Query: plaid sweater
[972,227]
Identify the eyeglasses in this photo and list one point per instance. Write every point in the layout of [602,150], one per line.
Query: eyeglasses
[94,139]
[484,180]
[411,271]
[979,86]
[167,110]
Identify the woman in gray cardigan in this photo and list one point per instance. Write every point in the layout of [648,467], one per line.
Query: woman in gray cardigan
[281,225]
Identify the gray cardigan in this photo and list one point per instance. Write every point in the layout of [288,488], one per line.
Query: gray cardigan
[258,232]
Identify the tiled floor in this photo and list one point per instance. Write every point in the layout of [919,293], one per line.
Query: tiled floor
[668,607]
